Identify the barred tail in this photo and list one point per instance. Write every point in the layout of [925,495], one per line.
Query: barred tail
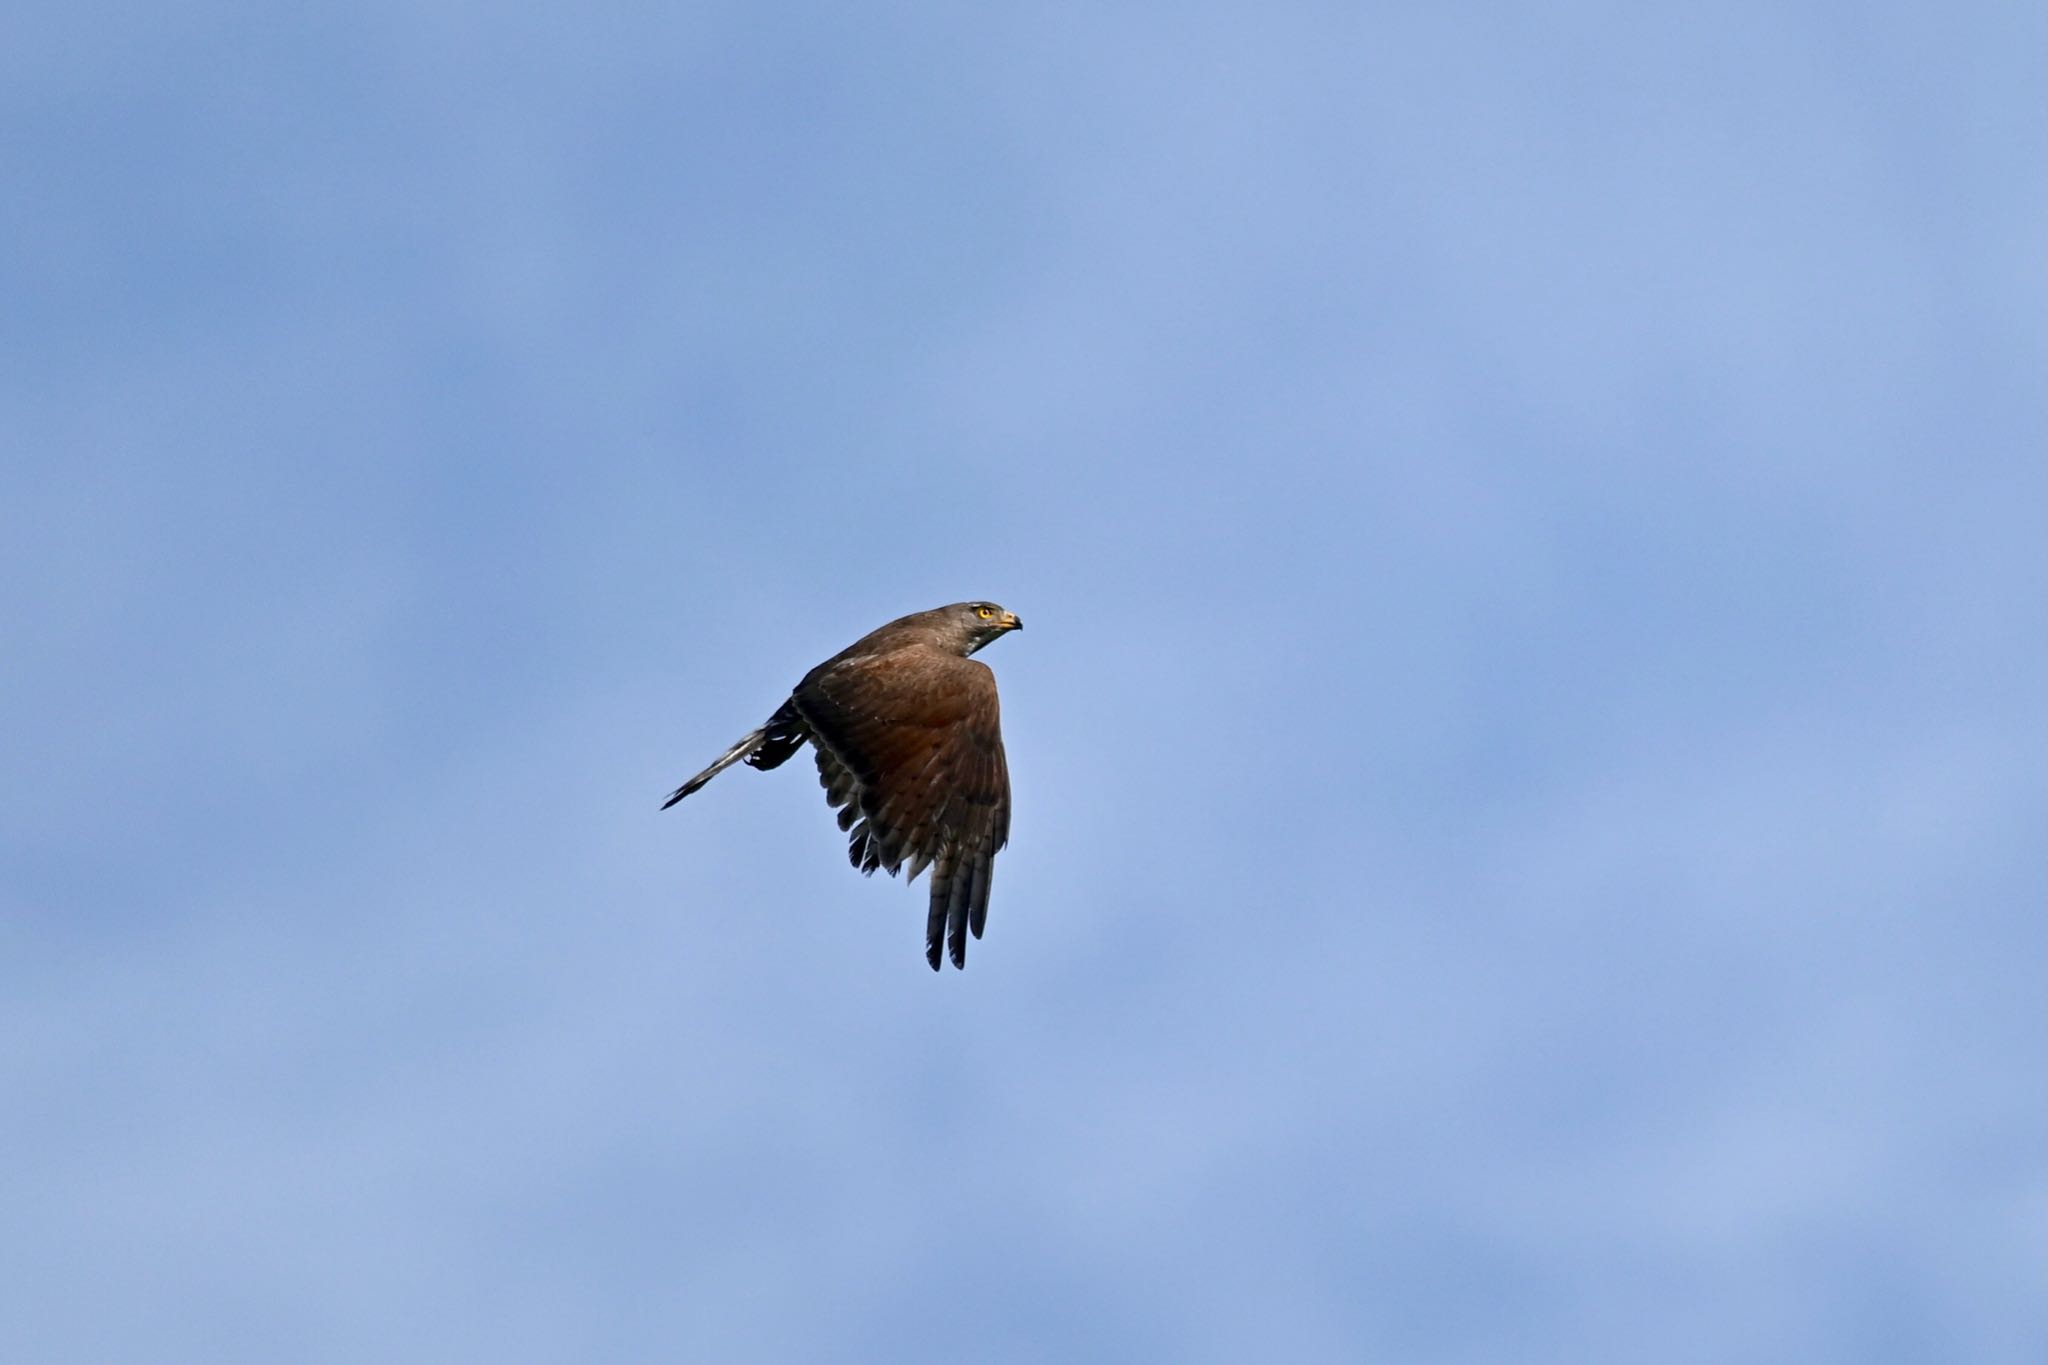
[768,747]
[753,740]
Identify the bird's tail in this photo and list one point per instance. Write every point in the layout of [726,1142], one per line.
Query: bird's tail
[748,744]
[767,747]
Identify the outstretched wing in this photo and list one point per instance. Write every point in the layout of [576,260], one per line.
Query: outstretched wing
[910,752]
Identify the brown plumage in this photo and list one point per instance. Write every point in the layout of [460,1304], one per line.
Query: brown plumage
[909,745]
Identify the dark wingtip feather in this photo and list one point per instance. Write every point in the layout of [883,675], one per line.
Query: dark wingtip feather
[935,919]
[977,896]
[957,895]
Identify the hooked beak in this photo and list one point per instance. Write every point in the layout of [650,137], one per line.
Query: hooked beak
[1009,621]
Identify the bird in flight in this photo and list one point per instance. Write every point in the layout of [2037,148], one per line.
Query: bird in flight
[909,745]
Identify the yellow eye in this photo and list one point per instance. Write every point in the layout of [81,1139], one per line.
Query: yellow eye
[984,612]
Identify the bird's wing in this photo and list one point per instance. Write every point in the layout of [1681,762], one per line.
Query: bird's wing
[910,752]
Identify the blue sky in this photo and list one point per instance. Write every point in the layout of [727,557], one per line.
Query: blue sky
[1527,750]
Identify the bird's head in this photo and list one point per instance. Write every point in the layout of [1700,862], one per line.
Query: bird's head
[974,624]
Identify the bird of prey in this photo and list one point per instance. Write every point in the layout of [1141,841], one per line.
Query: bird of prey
[910,753]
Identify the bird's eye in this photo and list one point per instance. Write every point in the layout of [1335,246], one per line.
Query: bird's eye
[984,612]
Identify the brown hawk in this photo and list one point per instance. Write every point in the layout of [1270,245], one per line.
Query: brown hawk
[910,753]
